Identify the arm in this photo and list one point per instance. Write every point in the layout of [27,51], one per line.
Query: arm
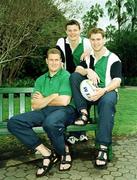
[61,100]
[87,49]
[92,75]
[64,91]
[115,83]
[38,101]
[85,55]
[116,70]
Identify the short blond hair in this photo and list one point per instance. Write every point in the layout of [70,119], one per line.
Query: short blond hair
[96,31]
[53,51]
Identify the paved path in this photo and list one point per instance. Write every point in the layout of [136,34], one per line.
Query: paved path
[122,167]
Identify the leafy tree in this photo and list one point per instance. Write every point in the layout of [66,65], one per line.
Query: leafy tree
[126,48]
[26,26]
[124,12]
[90,19]
[110,31]
[131,6]
[116,11]
[70,8]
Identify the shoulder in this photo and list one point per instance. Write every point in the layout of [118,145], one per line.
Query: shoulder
[115,63]
[86,43]
[41,78]
[65,73]
[85,40]
[60,41]
[113,57]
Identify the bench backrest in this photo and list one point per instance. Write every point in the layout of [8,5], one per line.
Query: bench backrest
[10,95]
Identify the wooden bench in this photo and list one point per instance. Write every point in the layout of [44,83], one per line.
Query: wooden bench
[20,97]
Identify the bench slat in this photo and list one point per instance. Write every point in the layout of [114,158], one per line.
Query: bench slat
[11,105]
[22,102]
[16,90]
[87,127]
[1,107]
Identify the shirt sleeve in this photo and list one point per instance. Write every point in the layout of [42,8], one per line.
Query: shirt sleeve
[116,70]
[65,88]
[60,45]
[62,54]
[83,64]
[37,86]
[87,44]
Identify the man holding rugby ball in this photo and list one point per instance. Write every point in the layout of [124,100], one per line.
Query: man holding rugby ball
[105,73]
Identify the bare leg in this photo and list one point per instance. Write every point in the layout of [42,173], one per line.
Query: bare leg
[43,150]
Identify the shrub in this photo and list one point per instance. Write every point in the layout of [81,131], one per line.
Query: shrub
[28,82]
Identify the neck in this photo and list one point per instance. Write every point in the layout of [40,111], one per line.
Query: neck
[52,73]
[100,53]
[74,43]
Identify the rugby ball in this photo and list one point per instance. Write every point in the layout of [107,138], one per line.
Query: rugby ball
[87,88]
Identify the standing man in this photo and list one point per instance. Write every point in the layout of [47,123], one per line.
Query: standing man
[107,66]
[74,48]
[51,102]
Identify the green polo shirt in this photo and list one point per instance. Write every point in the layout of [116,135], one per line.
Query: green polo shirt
[78,52]
[100,69]
[59,83]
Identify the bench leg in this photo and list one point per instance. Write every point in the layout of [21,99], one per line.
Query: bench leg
[110,153]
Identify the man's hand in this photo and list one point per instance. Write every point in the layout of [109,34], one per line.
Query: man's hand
[98,94]
[92,75]
[85,55]
[37,95]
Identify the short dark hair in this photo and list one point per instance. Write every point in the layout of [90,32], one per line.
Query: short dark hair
[53,51]
[95,31]
[72,22]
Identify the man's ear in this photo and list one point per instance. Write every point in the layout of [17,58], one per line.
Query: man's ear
[46,61]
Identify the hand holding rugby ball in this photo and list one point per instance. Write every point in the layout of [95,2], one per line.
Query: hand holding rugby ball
[87,89]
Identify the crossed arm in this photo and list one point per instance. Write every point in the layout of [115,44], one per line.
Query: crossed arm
[39,101]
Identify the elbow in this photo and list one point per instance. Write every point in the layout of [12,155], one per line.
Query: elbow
[66,102]
[119,83]
[34,106]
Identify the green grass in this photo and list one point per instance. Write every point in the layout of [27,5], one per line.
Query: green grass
[16,106]
[126,112]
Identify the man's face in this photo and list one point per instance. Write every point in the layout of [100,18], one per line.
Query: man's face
[54,62]
[73,32]
[97,42]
